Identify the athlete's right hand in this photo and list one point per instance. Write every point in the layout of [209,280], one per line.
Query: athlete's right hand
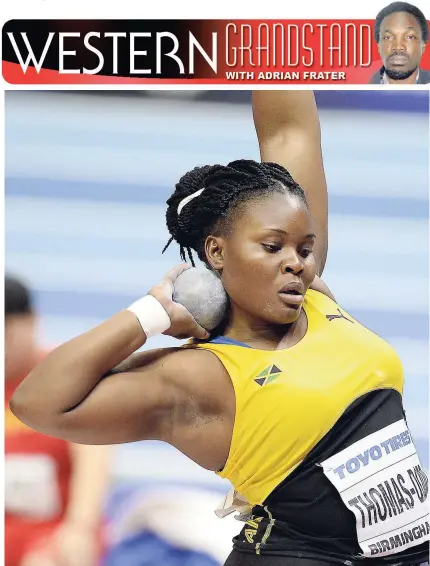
[183,324]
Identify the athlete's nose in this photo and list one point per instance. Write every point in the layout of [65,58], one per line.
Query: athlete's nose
[292,263]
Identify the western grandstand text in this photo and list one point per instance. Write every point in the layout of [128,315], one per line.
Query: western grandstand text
[235,50]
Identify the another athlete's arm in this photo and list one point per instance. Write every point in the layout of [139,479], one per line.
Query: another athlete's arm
[88,485]
[75,541]
[289,133]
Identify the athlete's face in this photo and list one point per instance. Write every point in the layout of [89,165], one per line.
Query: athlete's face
[270,247]
[400,43]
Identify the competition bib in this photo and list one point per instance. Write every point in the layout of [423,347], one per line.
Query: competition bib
[380,479]
[31,486]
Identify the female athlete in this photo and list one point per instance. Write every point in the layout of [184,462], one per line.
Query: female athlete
[292,400]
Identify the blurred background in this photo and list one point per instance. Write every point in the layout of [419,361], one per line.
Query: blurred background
[87,177]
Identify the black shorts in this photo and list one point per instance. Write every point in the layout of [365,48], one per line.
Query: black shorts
[244,559]
[247,559]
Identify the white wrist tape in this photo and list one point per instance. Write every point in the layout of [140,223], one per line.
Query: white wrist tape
[152,316]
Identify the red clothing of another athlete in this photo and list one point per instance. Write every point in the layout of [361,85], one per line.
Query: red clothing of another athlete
[38,471]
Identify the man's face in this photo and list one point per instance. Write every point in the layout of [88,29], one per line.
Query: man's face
[400,44]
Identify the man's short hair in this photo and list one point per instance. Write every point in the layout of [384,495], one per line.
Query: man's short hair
[17,297]
[402,7]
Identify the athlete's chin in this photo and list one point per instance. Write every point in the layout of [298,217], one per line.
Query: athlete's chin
[286,315]
[293,316]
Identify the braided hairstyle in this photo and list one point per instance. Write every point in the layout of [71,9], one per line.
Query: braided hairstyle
[225,189]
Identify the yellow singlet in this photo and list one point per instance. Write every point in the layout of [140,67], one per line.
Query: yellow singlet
[321,448]
[288,400]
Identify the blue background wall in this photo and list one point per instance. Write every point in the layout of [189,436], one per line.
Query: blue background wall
[87,177]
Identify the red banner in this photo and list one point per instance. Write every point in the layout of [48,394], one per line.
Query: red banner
[191,52]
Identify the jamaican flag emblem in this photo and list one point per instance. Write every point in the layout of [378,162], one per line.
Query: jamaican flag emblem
[267,375]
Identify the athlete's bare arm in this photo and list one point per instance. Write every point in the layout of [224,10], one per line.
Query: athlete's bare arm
[182,396]
[289,133]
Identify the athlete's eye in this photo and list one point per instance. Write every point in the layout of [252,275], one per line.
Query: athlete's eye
[271,248]
[305,252]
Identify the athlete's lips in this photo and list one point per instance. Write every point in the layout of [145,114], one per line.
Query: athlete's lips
[293,293]
[295,287]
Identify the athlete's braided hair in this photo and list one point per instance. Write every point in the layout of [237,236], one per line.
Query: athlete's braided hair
[225,188]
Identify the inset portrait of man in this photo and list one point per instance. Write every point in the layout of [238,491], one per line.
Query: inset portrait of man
[401,32]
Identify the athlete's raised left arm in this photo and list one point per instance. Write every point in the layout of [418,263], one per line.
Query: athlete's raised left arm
[288,131]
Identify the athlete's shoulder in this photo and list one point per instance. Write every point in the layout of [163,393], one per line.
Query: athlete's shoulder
[325,303]
[319,285]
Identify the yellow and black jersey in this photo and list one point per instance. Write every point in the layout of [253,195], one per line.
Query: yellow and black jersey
[320,445]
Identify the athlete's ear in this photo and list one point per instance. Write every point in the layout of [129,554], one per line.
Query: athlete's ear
[215,251]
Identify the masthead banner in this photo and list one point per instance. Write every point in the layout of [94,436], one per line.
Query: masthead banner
[224,52]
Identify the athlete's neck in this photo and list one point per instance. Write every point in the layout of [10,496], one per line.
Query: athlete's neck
[262,334]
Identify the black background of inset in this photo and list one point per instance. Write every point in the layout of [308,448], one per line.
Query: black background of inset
[38,30]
